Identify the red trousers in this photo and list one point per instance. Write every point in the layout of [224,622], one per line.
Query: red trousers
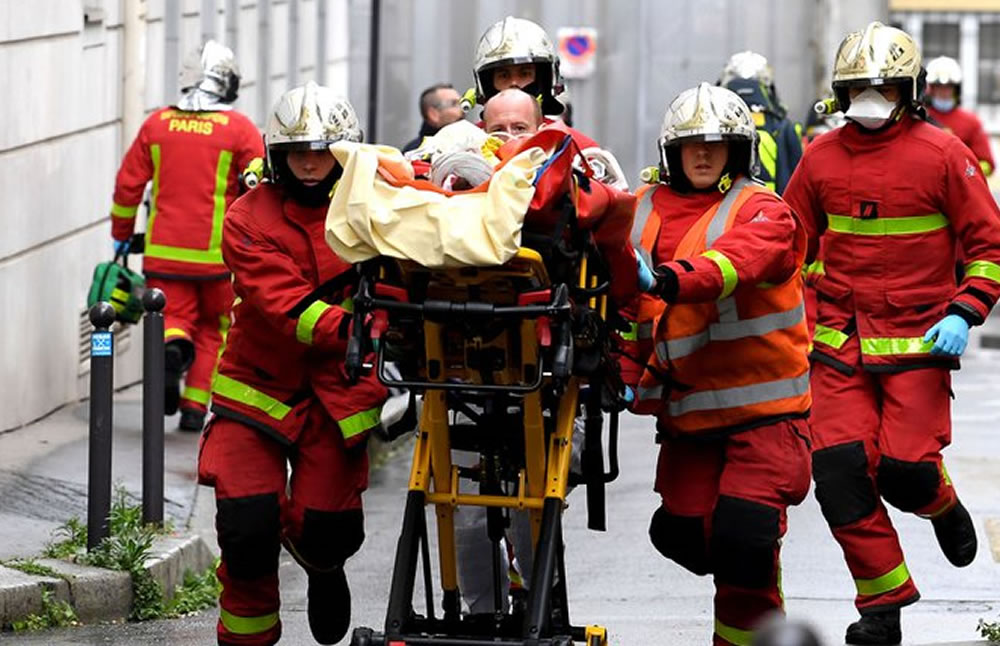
[198,312]
[316,514]
[724,512]
[878,436]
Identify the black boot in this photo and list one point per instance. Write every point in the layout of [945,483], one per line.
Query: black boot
[329,606]
[173,363]
[956,535]
[876,628]
[192,420]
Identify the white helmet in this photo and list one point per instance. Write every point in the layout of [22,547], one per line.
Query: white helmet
[211,68]
[309,117]
[944,70]
[707,113]
[516,41]
[748,65]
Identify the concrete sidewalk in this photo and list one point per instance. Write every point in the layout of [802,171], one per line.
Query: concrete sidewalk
[43,483]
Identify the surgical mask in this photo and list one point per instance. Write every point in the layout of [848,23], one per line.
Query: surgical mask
[943,105]
[870,109]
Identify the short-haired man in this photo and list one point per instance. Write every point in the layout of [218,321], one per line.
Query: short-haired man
[512,113]
[439,105]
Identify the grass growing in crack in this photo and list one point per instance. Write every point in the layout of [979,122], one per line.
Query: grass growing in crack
[55,614]
[199,591]
[31,566]
[71,540]
[126,548]
[990,630]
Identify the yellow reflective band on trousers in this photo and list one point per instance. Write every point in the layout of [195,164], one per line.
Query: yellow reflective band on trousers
[196,395]
[829,336]
[886,226]
[898,345]
[359,422]
[247,625]
[212,255]
[983,269]
[733,635]
[127,212]
[237,391]
[729,275]
[881,584]
[632,333]
[307,321]
[174,332]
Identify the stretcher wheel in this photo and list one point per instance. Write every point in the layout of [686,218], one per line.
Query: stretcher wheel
[362,637]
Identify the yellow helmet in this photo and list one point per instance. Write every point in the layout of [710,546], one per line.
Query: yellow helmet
[878,55]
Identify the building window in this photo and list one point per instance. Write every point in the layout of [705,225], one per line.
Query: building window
[989,63]
[941,39]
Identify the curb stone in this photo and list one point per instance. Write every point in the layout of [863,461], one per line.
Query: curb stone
[96,594]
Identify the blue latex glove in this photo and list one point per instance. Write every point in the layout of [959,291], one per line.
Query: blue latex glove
[950,335]
[629,393]
[121,247]
[646,279]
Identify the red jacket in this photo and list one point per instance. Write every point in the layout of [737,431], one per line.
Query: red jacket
[890,207]
[966,126]
[194,160]
[291,322]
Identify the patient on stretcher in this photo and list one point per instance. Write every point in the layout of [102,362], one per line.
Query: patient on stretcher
[463,156]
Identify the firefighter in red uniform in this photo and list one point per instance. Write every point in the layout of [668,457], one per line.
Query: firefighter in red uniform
[944,93]
[281,395]
[193,152]
[728,376]
[515,52]
[891,195]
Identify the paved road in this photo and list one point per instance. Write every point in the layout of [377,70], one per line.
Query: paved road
[617,579]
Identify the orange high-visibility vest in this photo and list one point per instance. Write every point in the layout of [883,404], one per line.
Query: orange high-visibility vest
[645,231]
[733,361]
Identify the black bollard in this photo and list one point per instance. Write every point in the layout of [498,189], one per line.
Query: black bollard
[153,302]
[102,315]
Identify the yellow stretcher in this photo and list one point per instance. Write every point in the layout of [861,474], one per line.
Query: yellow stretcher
[521,356]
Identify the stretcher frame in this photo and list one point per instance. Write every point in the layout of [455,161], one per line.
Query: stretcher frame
[546,347]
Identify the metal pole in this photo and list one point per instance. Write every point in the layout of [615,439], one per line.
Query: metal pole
[153,302]
[373,64]
[102,315]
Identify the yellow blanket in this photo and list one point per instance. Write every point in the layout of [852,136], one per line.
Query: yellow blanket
[370,217]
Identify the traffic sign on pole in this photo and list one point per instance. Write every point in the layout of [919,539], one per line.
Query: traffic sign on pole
[577,51]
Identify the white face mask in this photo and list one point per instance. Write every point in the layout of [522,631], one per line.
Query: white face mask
[943,105]
[870,109]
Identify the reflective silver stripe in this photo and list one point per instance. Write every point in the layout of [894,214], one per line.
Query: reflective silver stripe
[718,224]
[729,331]
[661,351]
[741,395]
[727,306]
[652,392]
[642,212]
[727,310]
[645,330]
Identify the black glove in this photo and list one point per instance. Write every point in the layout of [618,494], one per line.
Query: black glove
[666,286]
